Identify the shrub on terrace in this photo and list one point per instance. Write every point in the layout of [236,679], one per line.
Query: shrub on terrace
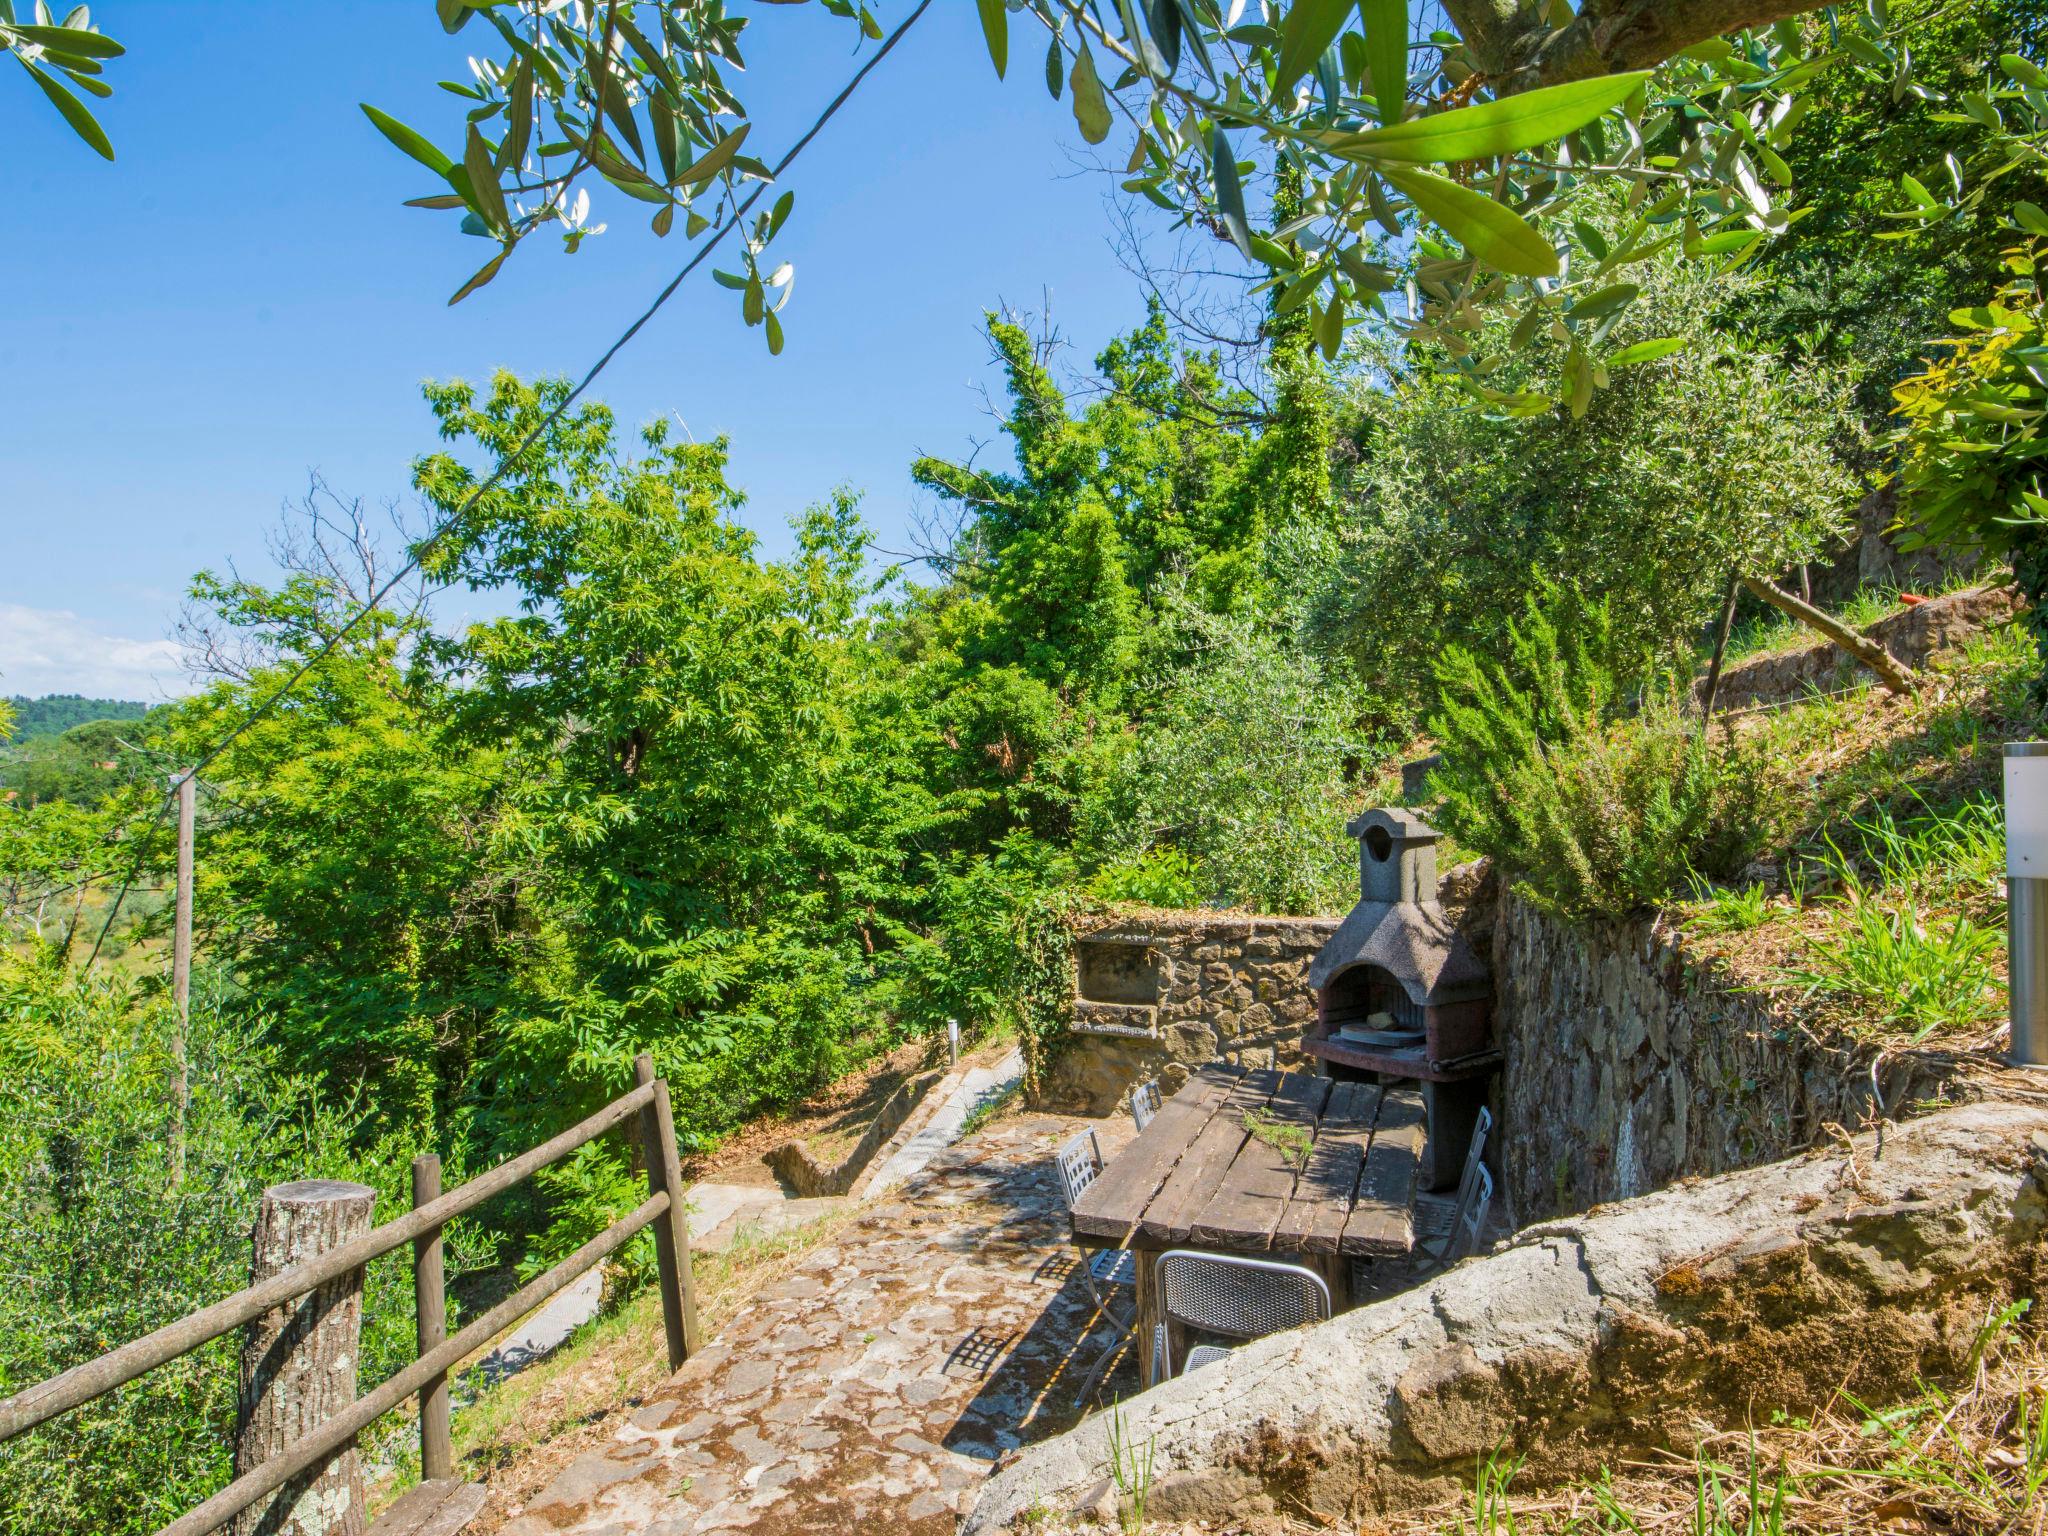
[1577,767]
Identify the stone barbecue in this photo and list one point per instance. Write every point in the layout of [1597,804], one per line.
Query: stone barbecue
[1158,993]
[1400,990]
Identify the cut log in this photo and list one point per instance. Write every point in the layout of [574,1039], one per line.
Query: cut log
[299,1361]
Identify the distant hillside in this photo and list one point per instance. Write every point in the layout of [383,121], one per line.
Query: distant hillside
[56,713]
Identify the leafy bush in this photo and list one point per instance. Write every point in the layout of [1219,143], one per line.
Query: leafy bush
[1158,877]
[1583,775]
[1973,466]
[1241,767]
[98,1245]
[587,1192]
[1718,457]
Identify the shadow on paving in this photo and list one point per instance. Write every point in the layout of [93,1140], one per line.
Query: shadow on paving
[1027,1377]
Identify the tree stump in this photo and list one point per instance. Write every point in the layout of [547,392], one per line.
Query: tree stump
[299,1361]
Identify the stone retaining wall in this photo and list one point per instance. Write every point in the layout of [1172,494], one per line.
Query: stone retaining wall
[1158,993]
[794,1165]
[1628,1064]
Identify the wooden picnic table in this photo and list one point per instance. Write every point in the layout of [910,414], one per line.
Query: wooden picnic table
[1198,1177]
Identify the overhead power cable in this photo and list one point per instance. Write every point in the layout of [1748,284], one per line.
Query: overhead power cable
[420,550]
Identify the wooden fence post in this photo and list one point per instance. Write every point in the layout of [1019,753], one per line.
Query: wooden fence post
[430,1312]
[299,1361]
[672,1231]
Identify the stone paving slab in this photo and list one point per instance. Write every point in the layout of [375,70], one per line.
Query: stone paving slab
[873,1386]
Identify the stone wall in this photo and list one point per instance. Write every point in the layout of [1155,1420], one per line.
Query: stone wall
[1629,1064]
[1159,993]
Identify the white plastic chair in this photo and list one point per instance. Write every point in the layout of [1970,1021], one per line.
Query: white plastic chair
[1145,1103]
[1237,1298]
[1107,1271]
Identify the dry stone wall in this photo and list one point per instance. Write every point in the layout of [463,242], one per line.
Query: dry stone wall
[1915,635]
[1157,994]
[1629,1064]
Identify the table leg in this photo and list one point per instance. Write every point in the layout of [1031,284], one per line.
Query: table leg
[1148,1311]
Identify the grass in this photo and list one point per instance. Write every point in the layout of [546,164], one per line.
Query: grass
[1715,909]
[1904,973]
[1973,1460]
[1916,944]
[991,1107]
[1131,1469]
[1884,917]
[1292,1142]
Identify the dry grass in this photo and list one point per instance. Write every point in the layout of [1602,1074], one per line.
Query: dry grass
[1970,1462]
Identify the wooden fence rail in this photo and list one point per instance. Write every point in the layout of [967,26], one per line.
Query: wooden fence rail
[427,1375]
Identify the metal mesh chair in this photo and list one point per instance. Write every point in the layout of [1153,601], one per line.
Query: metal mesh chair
[1108,1271]
[1471,1230]
[1436,1219]
[1145,1103]
[1236,1298]
[1445,1230]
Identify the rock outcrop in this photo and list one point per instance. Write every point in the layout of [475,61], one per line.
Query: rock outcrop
[1636,1325]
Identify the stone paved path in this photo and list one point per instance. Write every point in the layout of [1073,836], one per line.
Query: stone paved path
[873,1386]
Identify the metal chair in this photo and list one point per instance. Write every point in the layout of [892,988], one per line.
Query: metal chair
[1439,1222]
[1234,1297]
[1472,1220]
[1436,1219]
[1145,1103]
[1107,1270]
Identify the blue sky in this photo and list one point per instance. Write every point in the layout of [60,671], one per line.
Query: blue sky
[239,299]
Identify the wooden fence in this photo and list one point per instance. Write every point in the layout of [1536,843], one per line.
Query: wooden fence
[264,1308]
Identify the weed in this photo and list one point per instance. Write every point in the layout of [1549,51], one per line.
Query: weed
[1914,975]
[1957,853]
[1131,1470]
[1492,1514]
[1919,971]
[1292,1142]
[990,1107]
[1717,909]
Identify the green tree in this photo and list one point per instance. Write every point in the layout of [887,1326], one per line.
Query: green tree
[1973,454]
[685,763]
[1708,458]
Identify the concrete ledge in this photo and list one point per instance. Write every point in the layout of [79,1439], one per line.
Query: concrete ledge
[793,1163]
[1634,1326]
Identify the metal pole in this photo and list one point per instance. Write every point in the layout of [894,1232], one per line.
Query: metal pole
[952,1042]
[2026,885]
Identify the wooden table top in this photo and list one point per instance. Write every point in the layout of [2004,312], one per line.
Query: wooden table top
[1198,1176]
